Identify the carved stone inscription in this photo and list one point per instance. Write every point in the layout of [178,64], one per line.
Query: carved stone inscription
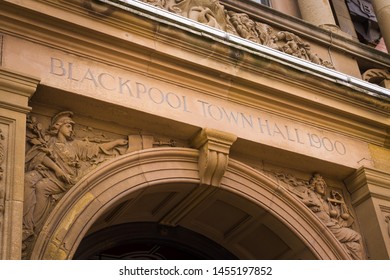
[138,93]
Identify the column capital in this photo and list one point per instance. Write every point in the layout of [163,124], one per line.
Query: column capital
[16,89]
[366,183]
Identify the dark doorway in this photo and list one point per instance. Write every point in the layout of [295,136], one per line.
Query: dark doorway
[149,241]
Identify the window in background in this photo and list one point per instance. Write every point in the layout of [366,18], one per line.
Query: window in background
[263,2]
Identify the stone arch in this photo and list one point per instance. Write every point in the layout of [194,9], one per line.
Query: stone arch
[93,195]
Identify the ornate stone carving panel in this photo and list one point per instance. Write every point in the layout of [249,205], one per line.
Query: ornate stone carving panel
[58,158]
[214,14]
[330,207]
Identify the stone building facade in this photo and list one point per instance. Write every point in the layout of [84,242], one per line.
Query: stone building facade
[194,129]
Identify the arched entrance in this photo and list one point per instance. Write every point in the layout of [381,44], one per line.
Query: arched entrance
[149,241]
[250,216]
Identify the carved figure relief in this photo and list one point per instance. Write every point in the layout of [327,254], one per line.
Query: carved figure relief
[330,208]
[214,14]
[57,160]
[209,12]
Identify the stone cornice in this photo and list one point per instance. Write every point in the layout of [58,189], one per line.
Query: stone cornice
[237,70]
[18,85]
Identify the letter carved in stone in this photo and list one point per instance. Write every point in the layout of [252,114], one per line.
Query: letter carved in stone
[329,207]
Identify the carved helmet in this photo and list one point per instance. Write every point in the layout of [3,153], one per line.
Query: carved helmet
[60,119]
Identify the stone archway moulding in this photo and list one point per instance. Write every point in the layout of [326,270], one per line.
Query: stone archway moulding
[77,211]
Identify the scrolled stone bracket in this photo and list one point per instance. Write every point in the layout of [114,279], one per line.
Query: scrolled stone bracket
[214,147]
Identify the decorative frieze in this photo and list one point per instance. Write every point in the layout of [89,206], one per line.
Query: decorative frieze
[330,207]
[214,14]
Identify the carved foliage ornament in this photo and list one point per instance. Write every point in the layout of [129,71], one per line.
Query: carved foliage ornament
[214,14]
[57,160]
[329,207]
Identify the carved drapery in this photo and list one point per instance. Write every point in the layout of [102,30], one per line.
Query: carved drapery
[330,207]
[214,14]
[57,160]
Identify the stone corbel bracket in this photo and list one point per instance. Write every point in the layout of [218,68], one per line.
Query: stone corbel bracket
[214,147]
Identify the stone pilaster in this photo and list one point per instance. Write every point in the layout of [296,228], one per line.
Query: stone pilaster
[370,195]
[382,12]
[15,91]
